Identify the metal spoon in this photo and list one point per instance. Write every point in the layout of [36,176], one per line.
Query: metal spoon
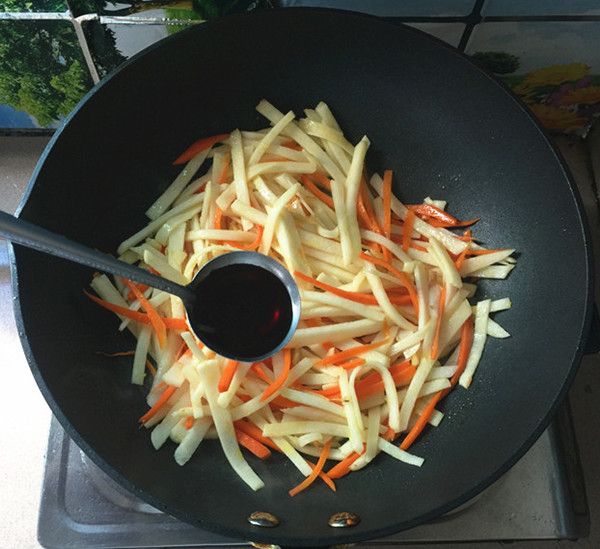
[243,305]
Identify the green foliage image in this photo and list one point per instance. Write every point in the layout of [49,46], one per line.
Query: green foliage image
[42,71]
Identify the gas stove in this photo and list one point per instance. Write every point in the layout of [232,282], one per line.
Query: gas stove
[541,497]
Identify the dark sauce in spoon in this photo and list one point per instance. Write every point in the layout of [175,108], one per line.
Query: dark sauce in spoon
[242,308]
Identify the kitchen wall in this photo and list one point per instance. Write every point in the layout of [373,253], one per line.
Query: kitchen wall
[53,51]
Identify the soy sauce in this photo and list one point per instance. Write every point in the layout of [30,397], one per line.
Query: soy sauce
[243,309]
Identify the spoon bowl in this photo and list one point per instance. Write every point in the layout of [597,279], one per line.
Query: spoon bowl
[242,305]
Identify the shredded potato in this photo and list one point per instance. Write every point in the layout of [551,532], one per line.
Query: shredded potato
[386,330]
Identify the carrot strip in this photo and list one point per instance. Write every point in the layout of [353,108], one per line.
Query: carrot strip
[158,387]
[421,422]
[315,472]
[407,229]
[366,299]
[441,224]
[253,445]
[218,218]
[150,367]
[251,245]
[227,375]
[276,385]
[223,176]
[175,324]
[260,373]
[484,252]
[291,144]
[255,432]
[461,257]
[166,395]
[323,197]
[189,422]
[387,203]
[341,356]
[428,210]
[354,363]
[466,341]
[403,277]
[157,322]
[438,323]
[142,288]
[181,351]
[324,476]
[401,372]
[137,316]
[119,353]
[198,147]
[342,468]
[321,180]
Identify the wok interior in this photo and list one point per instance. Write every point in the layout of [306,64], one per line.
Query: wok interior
[445,128]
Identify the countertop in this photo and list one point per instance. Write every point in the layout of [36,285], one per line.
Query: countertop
[26,416]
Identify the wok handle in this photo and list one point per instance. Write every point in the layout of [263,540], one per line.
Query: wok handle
[19,231]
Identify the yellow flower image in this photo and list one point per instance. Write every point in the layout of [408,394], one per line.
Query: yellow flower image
[556,74]
[557,119]
[525,92]
[588,95]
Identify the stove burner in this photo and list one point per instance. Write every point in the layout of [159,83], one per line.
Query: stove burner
[541,497]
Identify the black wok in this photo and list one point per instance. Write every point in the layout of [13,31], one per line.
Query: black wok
[446,128]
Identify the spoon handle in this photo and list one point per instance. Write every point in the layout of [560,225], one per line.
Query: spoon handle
[19,231]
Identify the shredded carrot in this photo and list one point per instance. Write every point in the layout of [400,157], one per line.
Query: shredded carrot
[323,197]
[150,367]
[198,147]
[291,144]
[276,385]
[155,319]
[119,353]
[407,229]
[484,252]
[372,384]
[402,277]
[354,363]
[315,472]
[227,375]
[251,245]
[253,445]
[366,299]
[158,387]
[142,288]
[166,395]
[223,177]
[466,341]
[342,468]
[255,432]
[341,356]
[387,203]
[461,257]
[189,422]
[367,217]
[438,323]
[437,217]
[182,350]
[257,369]
[321,180]
[218,218]
[324,476]
[137,316]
